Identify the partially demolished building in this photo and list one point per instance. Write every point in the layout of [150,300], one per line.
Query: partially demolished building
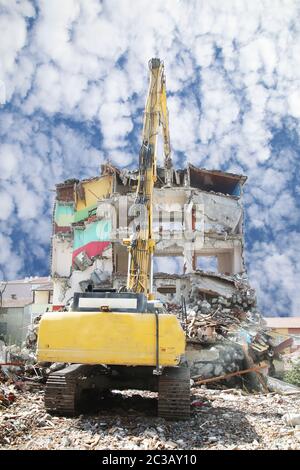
[199,216]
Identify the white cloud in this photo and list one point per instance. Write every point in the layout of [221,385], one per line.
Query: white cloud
[168,264]
[10,156]
[274,270]
[6,205]
[10,262]
[233,72]
[294,103]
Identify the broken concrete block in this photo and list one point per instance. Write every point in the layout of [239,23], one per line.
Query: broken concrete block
[205,307]
[57,366]
[218,370]
[292,419]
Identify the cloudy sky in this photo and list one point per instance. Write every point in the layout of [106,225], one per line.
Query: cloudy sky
[73,79]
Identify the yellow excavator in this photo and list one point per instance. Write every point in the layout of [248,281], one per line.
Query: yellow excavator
[123,340]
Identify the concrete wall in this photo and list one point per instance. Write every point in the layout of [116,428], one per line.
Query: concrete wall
[41,297]
[216,232]
[61,256]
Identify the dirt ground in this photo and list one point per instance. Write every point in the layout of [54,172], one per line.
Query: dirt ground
[221,419]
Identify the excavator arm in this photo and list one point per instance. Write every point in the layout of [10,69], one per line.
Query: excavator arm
[164,117]
[141,245]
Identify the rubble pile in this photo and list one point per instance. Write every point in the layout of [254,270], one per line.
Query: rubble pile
[211,317]
[214,361]
[32,334]
[19,363]
[7,395]
[25,354]
[223,331]
[221,419]
[27,414]
[7,391]
[20,355]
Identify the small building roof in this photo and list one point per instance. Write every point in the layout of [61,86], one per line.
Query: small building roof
[15,303]
[19,293]
[283,322]
[44,287]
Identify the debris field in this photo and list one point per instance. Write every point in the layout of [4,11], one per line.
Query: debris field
[220,419]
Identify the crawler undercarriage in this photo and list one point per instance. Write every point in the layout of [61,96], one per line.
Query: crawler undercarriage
[72,390]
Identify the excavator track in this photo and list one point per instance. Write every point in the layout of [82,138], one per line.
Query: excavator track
[64,394]
[60,395]
[61,387]
[174,393]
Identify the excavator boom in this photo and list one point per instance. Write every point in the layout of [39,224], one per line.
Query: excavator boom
[142,244]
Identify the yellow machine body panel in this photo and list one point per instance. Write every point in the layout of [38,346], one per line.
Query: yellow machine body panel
[112,338]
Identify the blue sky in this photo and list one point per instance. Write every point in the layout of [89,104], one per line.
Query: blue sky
[73,80]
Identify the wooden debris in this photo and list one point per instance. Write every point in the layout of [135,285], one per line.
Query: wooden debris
[227,376]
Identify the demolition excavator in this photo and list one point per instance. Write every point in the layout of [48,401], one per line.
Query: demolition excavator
[117,340]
